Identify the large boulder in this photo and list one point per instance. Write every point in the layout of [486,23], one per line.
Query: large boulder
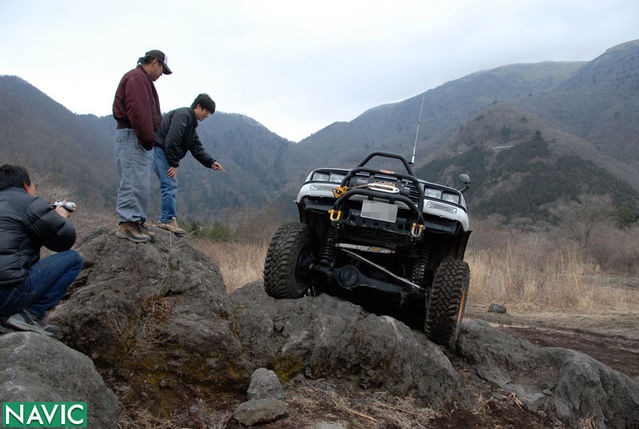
[570,384]
[326,337]
[37,368]
[157,319]
[157,315]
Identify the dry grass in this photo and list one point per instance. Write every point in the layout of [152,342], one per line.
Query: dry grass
[558,280]
[313,401]
[198,415]
[538,271]
[239,263]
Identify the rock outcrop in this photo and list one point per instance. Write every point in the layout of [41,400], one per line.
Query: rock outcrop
[570,384]
[36,368]
[157,318]
[324,336]
[158,315]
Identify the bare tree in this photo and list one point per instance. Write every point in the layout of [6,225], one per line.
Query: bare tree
[578,218]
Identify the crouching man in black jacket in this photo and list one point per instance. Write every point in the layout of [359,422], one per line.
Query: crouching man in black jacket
[29,287]
[173,139]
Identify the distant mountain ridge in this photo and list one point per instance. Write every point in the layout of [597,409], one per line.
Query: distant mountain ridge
[76,153]
[585,112]
[53,142]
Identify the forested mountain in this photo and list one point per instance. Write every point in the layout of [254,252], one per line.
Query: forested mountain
[76,153]
[55,144]
[585,113]
[599,103]
[519,171]
[529,135]
[392,127]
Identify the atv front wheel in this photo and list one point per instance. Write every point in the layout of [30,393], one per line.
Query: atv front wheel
[445,308]
[288,258]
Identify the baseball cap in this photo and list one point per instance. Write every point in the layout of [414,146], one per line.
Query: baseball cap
[159,55]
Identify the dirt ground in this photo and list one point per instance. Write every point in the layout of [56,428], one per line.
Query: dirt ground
[611,338]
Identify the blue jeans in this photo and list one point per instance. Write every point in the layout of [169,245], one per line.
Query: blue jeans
[168,185]
[134,166]
[45,285]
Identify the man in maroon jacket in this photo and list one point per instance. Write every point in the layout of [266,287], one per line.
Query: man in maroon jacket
[136,109]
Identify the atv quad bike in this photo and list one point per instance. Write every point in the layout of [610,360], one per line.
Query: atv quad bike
[387,241]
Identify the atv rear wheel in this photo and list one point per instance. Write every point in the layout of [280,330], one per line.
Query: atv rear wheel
[447,302]
[288,258]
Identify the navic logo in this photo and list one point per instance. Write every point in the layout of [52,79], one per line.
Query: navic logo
[44,414]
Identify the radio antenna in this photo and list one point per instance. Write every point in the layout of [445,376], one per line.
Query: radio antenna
[419,123]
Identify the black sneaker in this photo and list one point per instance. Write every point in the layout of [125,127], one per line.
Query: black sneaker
[27,321]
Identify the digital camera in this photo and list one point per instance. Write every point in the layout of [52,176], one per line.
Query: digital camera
[68,206]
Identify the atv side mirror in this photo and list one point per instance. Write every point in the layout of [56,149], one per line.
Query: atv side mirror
[465,178]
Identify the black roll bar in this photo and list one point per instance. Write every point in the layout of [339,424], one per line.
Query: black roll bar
[388,155]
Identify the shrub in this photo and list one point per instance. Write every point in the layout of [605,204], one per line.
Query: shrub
[219,231]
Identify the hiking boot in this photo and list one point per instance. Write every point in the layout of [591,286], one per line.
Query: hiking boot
[27,321]
[172,227]
[145,230]
[133,232]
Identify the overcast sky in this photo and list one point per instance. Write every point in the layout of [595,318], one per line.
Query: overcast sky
[294,66]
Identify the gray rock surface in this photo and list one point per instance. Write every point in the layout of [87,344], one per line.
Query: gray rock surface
[497,308]
[264,384]
[36,368]
[325,336]
[157,317]
[158,314]
[571,384]
[260,411]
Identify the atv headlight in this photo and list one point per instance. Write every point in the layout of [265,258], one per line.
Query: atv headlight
[321,177]
[433,193]
[451,198]
[336,178]
[442,207]
[321,187]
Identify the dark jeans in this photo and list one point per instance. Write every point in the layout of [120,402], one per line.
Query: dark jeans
[44,286]
[168,186]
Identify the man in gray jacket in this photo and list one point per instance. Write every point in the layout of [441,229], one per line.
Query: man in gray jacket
[29,287]
[173,139]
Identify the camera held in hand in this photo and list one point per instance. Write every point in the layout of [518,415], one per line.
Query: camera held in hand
[68,206]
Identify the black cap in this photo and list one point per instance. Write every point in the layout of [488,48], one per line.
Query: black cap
[159,55]
[205,102]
